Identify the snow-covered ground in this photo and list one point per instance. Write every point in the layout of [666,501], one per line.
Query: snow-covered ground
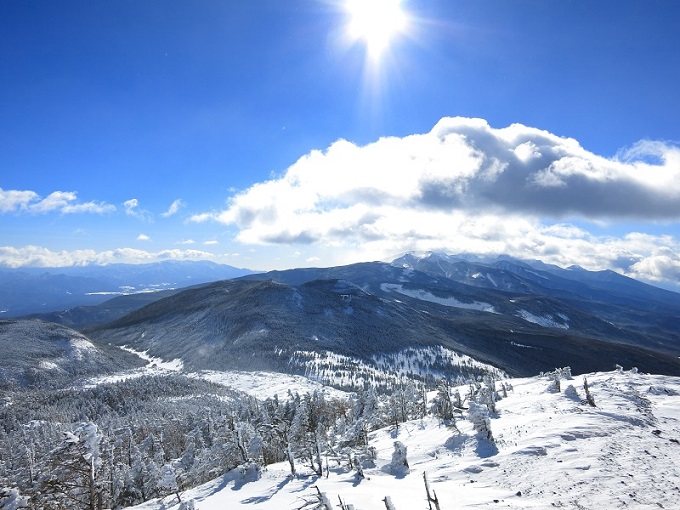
[154,366]
[424,295]
[547,321]
[267,384]
[550,451]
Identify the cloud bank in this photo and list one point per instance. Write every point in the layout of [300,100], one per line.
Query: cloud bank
[37,256]
[65,202]
[466,186]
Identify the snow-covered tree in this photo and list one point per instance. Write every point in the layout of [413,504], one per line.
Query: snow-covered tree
[399,464]
[73,479]
[478,414]
[167,482]
[11,499]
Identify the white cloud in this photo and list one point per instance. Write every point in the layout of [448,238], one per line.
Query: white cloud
[174,208]
[465,186]
[132,209]
[64,202]
[210,243]
[56,200]
[143,237]
[187,241]
[461,165]
[38,256]
[89,207]
[13,200]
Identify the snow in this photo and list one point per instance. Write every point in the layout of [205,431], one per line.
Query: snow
[154,366]
[81,344]
[550,451]
[424,295]
[48,365]
[265,385]
[175,365]
[547,321]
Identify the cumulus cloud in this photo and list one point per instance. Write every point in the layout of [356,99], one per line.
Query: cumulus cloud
[212,242]
[462,165]
[14,200]
[174,208]
[37,256]
[143,237]
[465,186]
[64,202]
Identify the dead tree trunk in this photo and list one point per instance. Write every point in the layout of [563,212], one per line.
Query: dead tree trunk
[431,498]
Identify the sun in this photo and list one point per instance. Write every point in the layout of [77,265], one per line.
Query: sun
[375,22]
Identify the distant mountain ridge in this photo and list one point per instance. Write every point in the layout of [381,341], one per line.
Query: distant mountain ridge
[30,290]
[500,316]
[574,281]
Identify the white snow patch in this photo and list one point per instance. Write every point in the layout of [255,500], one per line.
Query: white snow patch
[547,321]
[175,365]
[522,345]
[490,278]
[264,385]
[424,295]
[155,366]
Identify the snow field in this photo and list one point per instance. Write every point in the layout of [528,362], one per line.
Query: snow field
[551,451]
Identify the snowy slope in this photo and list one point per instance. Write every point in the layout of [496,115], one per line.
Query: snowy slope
[551,450]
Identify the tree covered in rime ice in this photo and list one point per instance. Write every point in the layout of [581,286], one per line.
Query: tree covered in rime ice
[73,479]
[399,464]
[11,499]
[119,444]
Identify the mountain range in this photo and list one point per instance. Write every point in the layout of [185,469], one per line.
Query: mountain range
[508,314]
[426,316]
[151,381]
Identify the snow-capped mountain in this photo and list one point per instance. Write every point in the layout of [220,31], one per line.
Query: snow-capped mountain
[286,320]
[342,387]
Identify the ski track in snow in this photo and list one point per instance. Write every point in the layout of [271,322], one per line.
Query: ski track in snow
[551,451]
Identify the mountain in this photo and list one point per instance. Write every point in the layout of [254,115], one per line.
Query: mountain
[266,325]
[534,276]
[40,354]
[27,291]
[633,307]
[355,317]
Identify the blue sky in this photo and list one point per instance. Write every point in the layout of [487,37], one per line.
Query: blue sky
[282,141]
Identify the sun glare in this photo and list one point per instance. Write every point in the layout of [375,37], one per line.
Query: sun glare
[375,22]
